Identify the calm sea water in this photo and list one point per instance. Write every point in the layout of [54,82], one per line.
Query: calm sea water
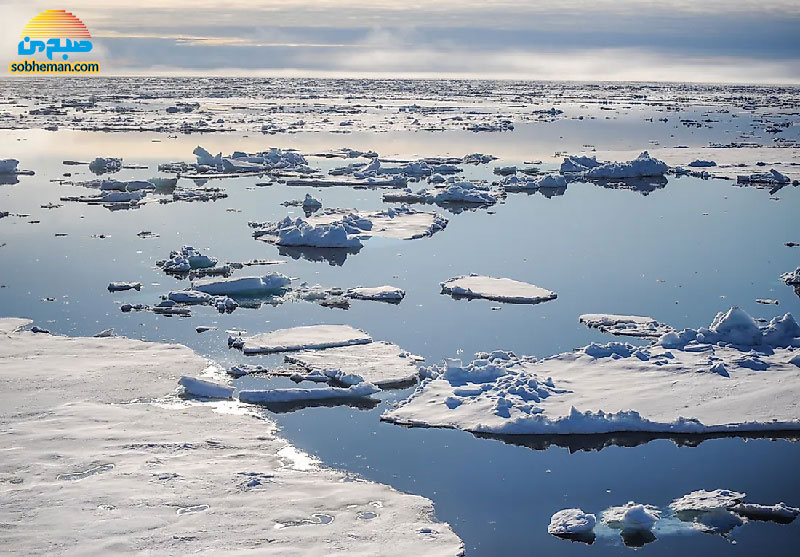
[680,254]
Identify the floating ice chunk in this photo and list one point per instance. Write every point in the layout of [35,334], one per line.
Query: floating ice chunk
[771,177]
[190,297]
[205,158]
[618,387]
[499,289]
[578,164]
[301,338]
[625,325]
[505,170]
[704,501]
[239,165]
[545,181]
[382,293]
[360,390]
[205,389]
[642,166]
[8,166]
[791,278]
[779,512]
[309,202]
[381,363]
[101,165]
[271,283]
[571,521]
[631,516]
[699,163]
[121,196]
[120,286]
[186,259]
[298,232]
[465,192]
[105,333]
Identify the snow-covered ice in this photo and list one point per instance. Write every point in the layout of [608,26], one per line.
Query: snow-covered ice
[185,260]
[791,278]
[625,325]
[498,289]
[384,293]
[265,396]
[122,286]
[642,166]
[631,516]
[571,521]
[205,389]
[730,377]
[102,474]
[271,283]
[380,363]
[301,338]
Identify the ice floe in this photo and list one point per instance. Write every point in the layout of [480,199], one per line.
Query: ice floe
[8,166]
[185,260]
[344,229]
[625,325]
[631,516]
[300,338]
[122,286]
[791,278]
[730,377]
[384,293]
[205,389]
[571,521]
[215,463]
[264,396]
[380,363]
[270,283]
[498,289]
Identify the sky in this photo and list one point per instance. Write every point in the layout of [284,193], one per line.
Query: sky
[732,41]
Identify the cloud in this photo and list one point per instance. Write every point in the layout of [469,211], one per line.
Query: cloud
[733,41]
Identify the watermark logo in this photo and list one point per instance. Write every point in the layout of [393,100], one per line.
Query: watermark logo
[54,33]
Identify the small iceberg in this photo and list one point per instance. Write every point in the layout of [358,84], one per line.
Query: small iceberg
[271,283]
[300,338]
[380,293]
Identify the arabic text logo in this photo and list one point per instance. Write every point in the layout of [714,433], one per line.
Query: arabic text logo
[54,32]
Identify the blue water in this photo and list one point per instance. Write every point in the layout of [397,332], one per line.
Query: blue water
[680,254]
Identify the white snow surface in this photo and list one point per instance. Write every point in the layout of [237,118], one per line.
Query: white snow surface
[401,223]
[380,363]
[385,293]
[301,338]
[706,501]
[498,289]
[631,516]
[697,382]
[205,389]
[270,283]
[641,167]
[359,390]
[571,521]
[625,325]
[96,474]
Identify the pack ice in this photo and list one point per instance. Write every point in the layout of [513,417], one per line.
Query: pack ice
[625,325]
[732,376]
[347,229]
[498,289]
[136,477]
[300,338]
[589,168]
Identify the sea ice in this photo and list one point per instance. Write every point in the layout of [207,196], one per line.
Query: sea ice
[545,181]
[130,480]
[498,289]
[121,286]
[380,363]
[301,338]
[571,521]
[310,202]
[780,512]
[360,390]
[271,283]
[771,177]
[642,166]
[631,516]
[382,293]
[102,165]
[706,501]
[8,166]
[791,278]
[205,389]
[186,259]
[625,325]
[730,377]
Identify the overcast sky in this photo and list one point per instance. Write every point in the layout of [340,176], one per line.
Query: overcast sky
[744,41]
